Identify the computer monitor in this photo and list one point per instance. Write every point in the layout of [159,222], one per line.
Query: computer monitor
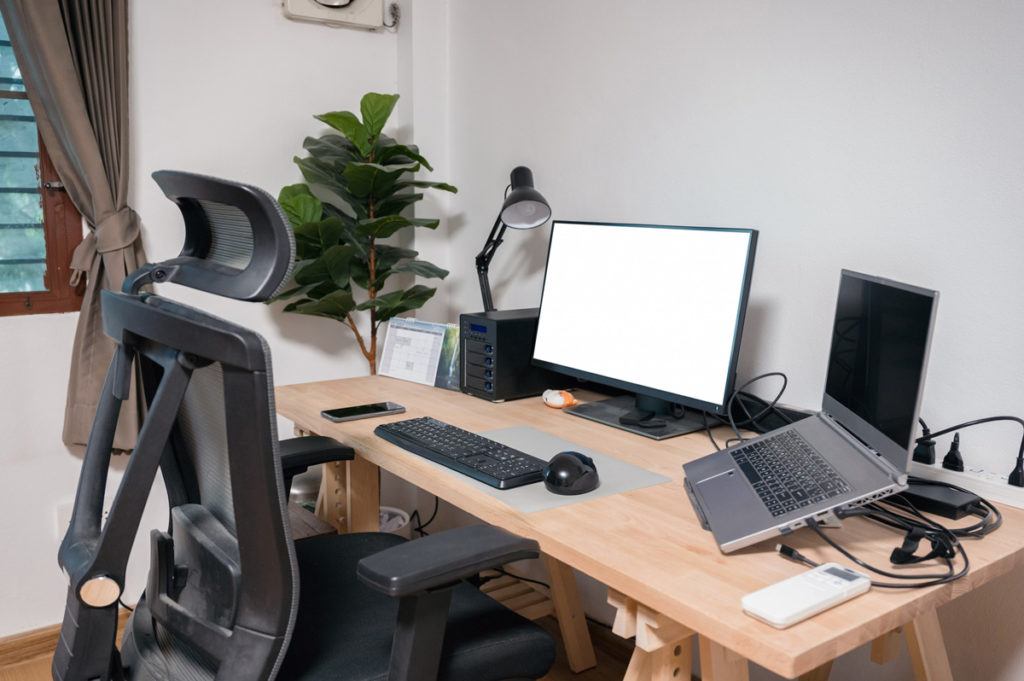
[651,309]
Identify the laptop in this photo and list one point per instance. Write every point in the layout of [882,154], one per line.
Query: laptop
[855,450]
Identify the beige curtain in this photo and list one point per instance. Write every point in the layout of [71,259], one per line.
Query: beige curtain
[73,56]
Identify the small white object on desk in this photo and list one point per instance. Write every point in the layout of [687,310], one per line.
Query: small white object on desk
[797,598]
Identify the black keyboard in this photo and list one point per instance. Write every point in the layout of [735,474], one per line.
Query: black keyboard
[490,462]
[787,473]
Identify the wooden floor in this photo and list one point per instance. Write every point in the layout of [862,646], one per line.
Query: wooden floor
[612,658]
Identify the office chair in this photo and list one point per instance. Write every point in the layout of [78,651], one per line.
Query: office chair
[223,598]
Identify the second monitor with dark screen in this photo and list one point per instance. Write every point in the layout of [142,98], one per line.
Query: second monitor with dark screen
[654,310]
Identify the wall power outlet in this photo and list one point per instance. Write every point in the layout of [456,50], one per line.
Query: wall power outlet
[987,484]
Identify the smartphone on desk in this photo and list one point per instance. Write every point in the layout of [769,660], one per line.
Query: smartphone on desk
[362,411]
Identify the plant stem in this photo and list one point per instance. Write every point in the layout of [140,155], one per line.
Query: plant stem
[370,355]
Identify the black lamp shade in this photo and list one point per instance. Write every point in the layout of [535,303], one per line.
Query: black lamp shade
[524,207]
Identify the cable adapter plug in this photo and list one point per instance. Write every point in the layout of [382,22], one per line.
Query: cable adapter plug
[953,460]
[924,452]
[1017,474]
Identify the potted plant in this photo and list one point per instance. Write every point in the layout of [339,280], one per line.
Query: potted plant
[363,183]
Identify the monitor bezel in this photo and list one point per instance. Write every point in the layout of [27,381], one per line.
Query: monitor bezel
[892,451]
[646,391]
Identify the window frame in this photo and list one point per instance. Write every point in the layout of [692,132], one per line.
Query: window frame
[62,232]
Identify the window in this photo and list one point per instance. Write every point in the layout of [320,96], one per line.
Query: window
[39,226]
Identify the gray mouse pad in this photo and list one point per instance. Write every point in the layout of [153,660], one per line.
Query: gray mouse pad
[616,476]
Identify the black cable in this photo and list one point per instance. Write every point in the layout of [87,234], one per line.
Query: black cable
[420,526]
[770,406]
[707,429]
[928,580]
[1016,476]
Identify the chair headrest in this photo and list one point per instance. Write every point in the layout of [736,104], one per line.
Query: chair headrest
[238,241]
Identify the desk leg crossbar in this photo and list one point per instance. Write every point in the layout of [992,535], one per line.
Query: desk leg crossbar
[664,648]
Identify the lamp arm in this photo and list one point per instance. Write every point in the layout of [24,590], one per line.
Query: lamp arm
[483,261]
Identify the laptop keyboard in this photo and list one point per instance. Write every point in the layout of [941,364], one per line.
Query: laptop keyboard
[787,473]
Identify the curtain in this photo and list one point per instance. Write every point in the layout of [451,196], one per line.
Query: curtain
[73,56]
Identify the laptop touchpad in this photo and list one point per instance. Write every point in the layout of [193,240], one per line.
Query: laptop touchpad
[730,503]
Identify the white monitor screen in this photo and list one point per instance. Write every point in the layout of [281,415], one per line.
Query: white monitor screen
[652,309]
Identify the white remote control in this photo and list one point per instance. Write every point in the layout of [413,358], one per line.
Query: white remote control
[797,598]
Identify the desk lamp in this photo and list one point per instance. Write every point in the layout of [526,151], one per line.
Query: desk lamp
[524,208]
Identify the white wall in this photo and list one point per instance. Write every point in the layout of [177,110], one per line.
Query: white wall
[866,135]
[227,88]
[883,137]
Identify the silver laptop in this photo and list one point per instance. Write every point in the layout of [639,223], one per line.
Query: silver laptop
[855,450]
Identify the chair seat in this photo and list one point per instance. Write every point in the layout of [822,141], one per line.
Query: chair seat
[344,628]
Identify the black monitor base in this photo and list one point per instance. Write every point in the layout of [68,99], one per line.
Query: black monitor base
[621,412]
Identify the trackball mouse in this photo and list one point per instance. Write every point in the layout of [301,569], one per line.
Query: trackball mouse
[571,473]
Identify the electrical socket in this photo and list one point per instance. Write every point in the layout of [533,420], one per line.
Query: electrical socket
[991,486]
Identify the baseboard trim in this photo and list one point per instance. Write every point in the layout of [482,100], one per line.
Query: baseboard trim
[31,645]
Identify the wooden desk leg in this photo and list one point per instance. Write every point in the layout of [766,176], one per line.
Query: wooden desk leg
[818,674]
[331,502]
[718,663]
[927,650]
[363,496]
[886,647]
[664,649]
[572,623]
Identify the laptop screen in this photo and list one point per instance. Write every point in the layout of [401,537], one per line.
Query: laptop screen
[878,353]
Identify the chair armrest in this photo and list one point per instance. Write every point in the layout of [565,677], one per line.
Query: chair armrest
[299,453]
[442,559]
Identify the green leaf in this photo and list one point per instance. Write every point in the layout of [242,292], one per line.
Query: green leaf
[383,227]
[429,223]
[292,191]
[317,237]
[373,179]
[421,268]
[396,203]
[337,305]
[397,302]
[376,110]
[317,172]
[361,274]
[331,180]
[443,186]
[312,274]
[333,149]
[351,127]
[388,255]
[338,261]
[400,153]
[300,206]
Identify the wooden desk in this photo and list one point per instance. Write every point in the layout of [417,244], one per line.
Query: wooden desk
[665,574]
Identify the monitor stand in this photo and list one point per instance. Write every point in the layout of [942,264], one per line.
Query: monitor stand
[644,416]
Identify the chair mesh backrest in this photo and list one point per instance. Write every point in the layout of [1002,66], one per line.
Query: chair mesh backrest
[232,242]
[238,240]
[201,424]
[224,448]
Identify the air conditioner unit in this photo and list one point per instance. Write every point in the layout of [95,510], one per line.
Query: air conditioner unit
[367,14]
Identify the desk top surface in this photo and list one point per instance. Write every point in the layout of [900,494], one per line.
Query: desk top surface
[647,543]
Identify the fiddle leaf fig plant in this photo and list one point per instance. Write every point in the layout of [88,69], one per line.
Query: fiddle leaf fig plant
[359,182]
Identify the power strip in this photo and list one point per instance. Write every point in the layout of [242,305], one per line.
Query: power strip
[991,486]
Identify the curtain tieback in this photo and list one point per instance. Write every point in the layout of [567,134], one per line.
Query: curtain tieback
[113,232]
